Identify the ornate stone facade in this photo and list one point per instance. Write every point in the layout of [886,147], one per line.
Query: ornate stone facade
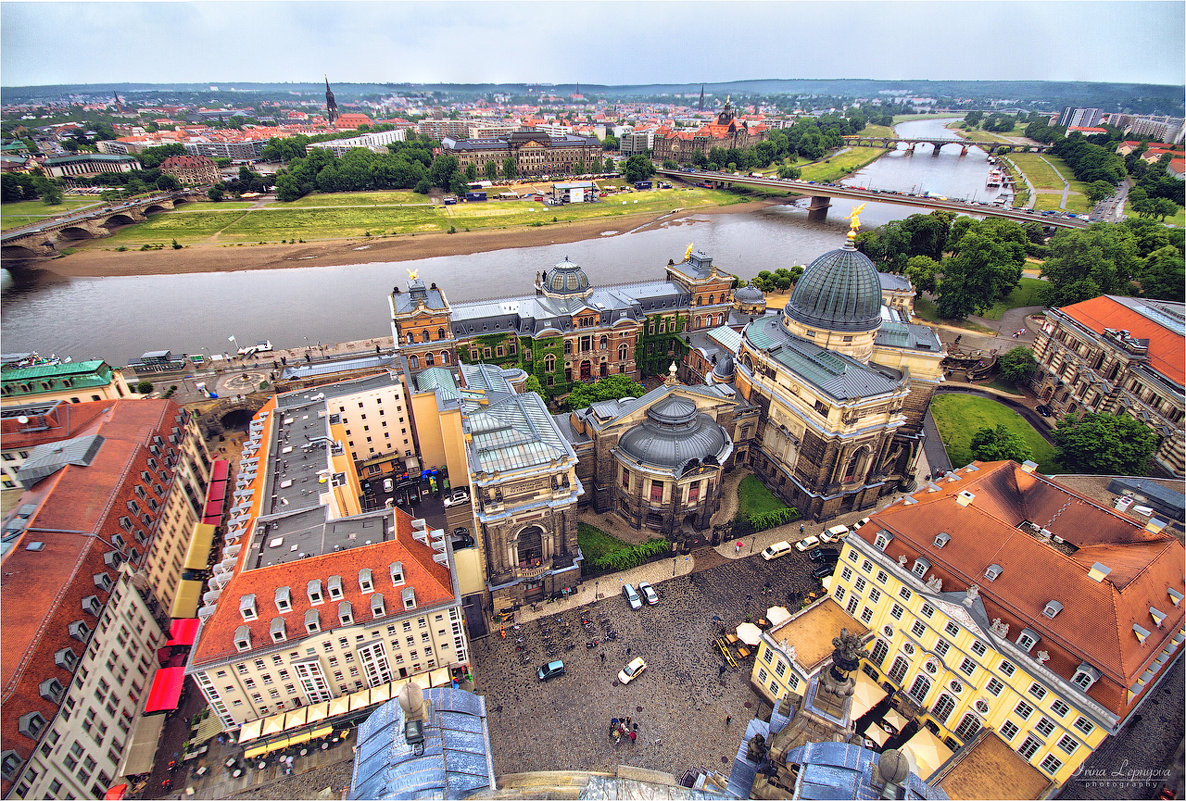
[534,153]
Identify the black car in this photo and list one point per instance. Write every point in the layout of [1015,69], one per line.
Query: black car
[824,555]
[824,570]
[1043,409]
[461,538]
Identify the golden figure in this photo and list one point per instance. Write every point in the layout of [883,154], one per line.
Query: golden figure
[854,220]
[413,275]
[688,252]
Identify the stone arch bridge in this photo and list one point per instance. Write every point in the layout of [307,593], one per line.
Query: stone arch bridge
[889,142]
[40,240]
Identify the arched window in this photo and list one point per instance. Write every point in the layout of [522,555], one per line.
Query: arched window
[968,727]
[530,546]
[414,362]
[444,357]
[857,464]
[623,352]
[710,299]
[604,342]
[898,671]
[550,363]
[721,319]
[943,708]
[411,338]
[879,653]
[429,361]
[426,335]
[440,333]
[920,689]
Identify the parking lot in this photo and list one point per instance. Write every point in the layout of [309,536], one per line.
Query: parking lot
[680,702]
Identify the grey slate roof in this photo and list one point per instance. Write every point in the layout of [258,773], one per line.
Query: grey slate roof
[894,282]
[697,266]
[836,375]
[894,334]
[674,435]
[45,460]
[407,301]
[455,761]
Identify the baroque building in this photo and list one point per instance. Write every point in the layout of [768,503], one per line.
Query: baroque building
[534,153]
[842,390]
[727,133]
[1118,355]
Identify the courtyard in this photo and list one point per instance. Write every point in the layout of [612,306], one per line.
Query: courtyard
[680,702]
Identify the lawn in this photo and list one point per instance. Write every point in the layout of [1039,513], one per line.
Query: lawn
[595,543]
[30,211]
[184,226]
[1045,171]
[385,198]
[1026,294]
[1179,219]
[1076,203]
[222,205]
[877,130]
[959,417]
[838,166]
[926,308]
[754,498]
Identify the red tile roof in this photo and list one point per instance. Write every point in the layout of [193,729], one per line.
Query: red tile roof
[1095,624]
[432,582]
[1167,348]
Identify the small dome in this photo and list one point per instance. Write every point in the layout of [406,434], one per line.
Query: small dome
[674,434]
[749,294]
[839,291]
[566,278]
[723,369]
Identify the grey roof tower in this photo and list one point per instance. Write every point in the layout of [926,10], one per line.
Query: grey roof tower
[674,434]
[564,280]
[839,291]
[331,105]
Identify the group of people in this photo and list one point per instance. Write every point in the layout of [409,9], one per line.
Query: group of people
[622,728]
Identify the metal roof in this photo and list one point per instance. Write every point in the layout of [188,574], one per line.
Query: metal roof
[53,370]
[45,460]
[895,334]
[297,371]
[454,762]
[839,291]
[675,435]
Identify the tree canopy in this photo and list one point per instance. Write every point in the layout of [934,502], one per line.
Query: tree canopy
[993,444]
[1089,262]
[985,266]
[609,388]
[1110,444]
[1017,365]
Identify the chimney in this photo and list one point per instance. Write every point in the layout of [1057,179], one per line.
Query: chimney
[964,498]
[1099,571]
[1154,526]
[1029,466]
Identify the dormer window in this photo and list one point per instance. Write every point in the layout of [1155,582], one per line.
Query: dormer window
[365,582]
[345,613]
[242,639]
[51,690]
[921,566]
[1175,596]
[1085,676]
[397,573]
[314,590]
[283,599]
[335,588]
[31,724]
[92,605]
[65,658]
[882,540]
[409,596]
[247,607]
[276,629]
[1157,616]
[1027,639]
[104,582]
[378,607]
[992,572]
[10,765]
[942,539]
[1052,609]
[79,631]
[312,621]
[1140,631]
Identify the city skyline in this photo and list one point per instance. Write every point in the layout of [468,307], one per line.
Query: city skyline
[612,43]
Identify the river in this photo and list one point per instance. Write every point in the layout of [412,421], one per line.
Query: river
[119,318]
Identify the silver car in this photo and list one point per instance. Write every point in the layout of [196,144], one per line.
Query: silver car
[631,596]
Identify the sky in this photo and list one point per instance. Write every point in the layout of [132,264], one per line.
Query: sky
[609,42]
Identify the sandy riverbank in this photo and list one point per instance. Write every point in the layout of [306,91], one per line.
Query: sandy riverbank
[93,261]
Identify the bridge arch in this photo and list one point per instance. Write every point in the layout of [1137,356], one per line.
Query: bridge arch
[118,219]
[75,232]
[154,208]
[18,252]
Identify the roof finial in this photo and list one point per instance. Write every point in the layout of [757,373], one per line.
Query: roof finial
[854,221]
[688,252]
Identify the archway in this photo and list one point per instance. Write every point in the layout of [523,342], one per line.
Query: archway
[529,547]
[1047,394]
[73,232]
[586,370]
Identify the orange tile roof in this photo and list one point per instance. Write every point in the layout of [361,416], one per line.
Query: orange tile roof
[432,582]
[1095,625]
[1167,348]
[990,768]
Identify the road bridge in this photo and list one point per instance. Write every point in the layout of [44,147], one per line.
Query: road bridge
[39,240]
[889,142]
[822,194]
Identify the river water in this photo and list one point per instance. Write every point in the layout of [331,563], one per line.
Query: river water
[119,318]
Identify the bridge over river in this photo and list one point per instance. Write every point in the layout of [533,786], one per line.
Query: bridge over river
[821,197]
[39,239]
[938,144]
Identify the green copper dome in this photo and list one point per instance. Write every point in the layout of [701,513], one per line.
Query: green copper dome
[839,291]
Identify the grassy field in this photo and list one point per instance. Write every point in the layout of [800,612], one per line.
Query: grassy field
[959,417]
[1076,203]
[1039,170]
[1024,295]
[843,164]
[30,211]
[754,498]
[319,220]
[927,309]
[909,117]
[1178,220]
[595,543]
[223,205]
[877,130]
[390,198]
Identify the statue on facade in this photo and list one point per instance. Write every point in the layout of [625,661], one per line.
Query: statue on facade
[935,584]
[757,749]
[1043,657]
[846,657]
[997,627]
[971,594]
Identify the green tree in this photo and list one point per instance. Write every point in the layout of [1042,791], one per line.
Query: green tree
[491,171]
[153,156]
[993,444]
[1163,274]
[423,187]
[1098,190]
[1085,263]
[532,384]
[215,193]
[471,172]
[49,190]
[789,172]
[144,387]
[985,267]
[610,168]
[1104,443]
[609,388]
[1017,365]
[923,272]
[441,171]
[639,168]
[167,183]
[510,170]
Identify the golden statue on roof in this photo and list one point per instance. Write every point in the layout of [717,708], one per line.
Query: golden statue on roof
[688,252]
[413,275]
[854,218]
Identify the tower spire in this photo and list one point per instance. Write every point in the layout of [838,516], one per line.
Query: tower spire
[331,105]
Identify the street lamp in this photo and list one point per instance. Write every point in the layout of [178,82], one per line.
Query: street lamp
[673,561]
[596,584]
[753,539]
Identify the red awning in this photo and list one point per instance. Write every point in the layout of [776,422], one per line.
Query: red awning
[220,470]
[166,690]
[214,509]
[116,792]
[183,631]
[216,492]
[212,520]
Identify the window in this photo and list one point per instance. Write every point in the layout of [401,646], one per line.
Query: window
[31,724]
[882,577]
[896,612]
[1068,744]
[994,686]
[874,595]
[920,689]
[918,629]
[852,605]
[897,671]
[968,727]
[1051,764]
[979,648]
[866,615]
[1044,726]
[943,708]
[967,667]
[1023,710]
[1007,668]
[952,629]
[860,585]
[846,573]
[1059,707]
[926,611]
[1027,640]
[1009,730]
[1084,725]
[879,653]
[1029,747]
[921,566]
[1037,691]
[867,566]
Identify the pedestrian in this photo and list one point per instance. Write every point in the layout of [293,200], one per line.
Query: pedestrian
[636,725]
[627,650]
[721,671]
[633,736]
[603,656]
[728,719]
[627,722]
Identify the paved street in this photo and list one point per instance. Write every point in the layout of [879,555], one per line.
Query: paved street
[679,702]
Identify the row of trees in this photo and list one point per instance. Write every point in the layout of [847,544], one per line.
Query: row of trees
[1093,442]
[780,280]
[15,187]
[1090,162]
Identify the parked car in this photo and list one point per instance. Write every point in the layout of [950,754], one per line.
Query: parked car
[461,538]
[551,670]
[458,496]
[631,596]
[834,534]
[388,485]
[632,671]
[807,543]
[860,523]
[648,593]
[776,550]
[824,555]
[1043,409]
[824,570]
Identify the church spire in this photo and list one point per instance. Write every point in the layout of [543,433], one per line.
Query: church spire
[331,105]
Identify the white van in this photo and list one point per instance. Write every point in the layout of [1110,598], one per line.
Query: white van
[834,534]
[776,550]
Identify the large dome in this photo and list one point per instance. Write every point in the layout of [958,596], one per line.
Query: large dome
[566,278]
[675,434]
[839,291]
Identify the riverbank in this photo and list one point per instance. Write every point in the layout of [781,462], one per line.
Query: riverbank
[93,262]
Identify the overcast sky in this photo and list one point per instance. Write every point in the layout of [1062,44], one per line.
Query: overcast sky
[681,41]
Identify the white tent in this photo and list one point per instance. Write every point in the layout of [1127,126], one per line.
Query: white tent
[777,615]
[929,752]
[865,695]
[749,634]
